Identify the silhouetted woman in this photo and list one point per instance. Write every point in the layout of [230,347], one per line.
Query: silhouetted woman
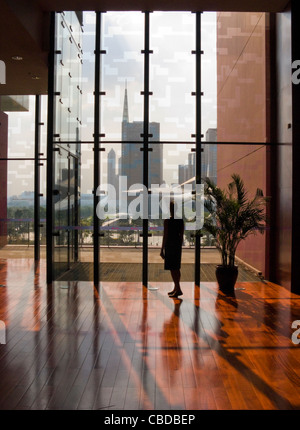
[172,247]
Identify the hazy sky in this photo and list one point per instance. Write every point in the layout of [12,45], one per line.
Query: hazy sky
[172,71]
[172,80]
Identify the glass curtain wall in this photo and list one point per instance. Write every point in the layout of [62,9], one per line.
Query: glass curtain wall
[166,99]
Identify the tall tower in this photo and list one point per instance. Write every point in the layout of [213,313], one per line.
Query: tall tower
[125,106]
[210,155]
[131,162]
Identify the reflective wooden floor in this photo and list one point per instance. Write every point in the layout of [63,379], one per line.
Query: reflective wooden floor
[130,348]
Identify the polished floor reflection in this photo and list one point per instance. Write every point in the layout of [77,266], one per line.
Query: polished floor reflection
[68,347]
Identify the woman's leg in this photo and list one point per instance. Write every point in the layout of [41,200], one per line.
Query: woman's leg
[176,278]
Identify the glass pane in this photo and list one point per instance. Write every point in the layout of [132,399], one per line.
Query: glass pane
[86,205]
[172,74]
[21,123]
[122,75]
[43,173]
[43,128]
[88,76]
[61,213]
[120,212]
[209,76]
[16,209]
[73,208]
[176,164]
[68,94]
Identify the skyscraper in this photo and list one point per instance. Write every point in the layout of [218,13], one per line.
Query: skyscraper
[186,172]
[112,176]
[209,156]
[131,162]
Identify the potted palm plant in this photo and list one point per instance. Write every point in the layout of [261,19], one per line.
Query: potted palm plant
[232,217]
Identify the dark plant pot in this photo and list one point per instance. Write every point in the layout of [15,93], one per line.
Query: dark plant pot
[226,277]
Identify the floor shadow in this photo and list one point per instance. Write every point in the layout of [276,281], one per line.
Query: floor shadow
[232,358]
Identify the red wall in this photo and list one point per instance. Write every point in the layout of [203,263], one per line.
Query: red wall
[242,111]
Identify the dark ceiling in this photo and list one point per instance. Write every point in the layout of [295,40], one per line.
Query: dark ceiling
[24,31]
[175,5]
